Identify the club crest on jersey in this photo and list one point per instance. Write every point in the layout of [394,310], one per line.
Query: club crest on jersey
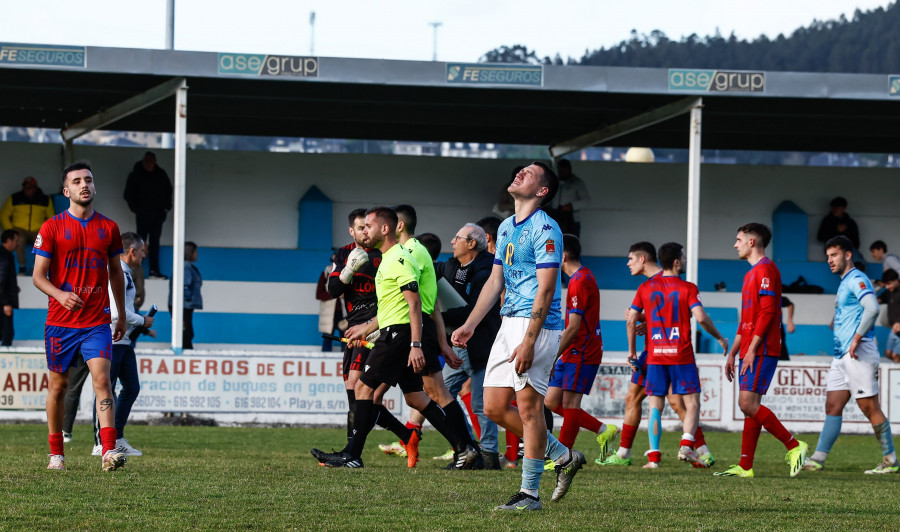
[765,283]
[101,232]
[550,246]
[862,285]
[574,301]
[376,262]
[68,234]
[523,237]
[38,241]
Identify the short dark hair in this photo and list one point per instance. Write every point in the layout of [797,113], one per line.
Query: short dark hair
[8,235]
[669,253]
[490,224]
[548,179]
[839,241]
[839,201]
[80,165]
[878,244]
[572,246]
[646,248]
[131,240]
[386,215]
[189,249]
[407,215]
[432,243]
[758,230]
[886,276]
[354,214]
[563,163]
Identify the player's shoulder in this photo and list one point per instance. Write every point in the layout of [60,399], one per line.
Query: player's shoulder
[542,222]
[767,266]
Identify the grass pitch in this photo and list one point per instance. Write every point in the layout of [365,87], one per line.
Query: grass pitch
[215,478]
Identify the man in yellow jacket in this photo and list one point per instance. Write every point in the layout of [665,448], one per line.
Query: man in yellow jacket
[25,211]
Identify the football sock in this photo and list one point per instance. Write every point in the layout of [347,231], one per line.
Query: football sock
[653,456]
[532,469]
[386,420]
[569,430]
[548,417]
[749,439]
[555,449]
[351,401]
[699,440]
[628,433]
[654,431]
[364,421]
[411,425]
[108,438]
[56,443]
[701,449]
[883,433]
[473,419]
[512,446]
[457,420]
[767,419]
[439,419]
[830,432]
[687,440]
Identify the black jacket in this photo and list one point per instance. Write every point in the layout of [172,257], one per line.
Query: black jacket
[476,275]
[148,191]
[9,288]
[829,228]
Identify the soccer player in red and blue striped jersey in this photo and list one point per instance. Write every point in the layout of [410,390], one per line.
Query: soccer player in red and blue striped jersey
[75,261]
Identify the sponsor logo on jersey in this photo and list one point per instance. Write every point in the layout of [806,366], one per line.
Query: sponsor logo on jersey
[546,227]
[523,237]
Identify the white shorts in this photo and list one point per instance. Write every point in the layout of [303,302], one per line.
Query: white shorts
[501,373]
[858,376]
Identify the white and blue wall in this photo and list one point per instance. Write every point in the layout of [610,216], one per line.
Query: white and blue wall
[242,210]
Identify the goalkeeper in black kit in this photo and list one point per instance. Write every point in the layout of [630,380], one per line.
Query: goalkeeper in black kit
[353,276]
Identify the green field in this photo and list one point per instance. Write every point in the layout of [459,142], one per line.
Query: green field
[206,478]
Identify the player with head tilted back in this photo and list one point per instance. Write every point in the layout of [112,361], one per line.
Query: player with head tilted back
[75,259]
[758,342]
[526,264]
[670,302]
[642,261]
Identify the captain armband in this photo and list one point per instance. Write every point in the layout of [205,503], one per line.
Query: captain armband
[410,287]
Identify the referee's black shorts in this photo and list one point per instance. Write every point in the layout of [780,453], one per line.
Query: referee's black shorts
[388,362]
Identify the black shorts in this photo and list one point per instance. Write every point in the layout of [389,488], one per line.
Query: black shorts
[430,346]
[388,361]
[354,359]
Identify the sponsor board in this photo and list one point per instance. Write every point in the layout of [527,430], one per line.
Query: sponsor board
[268,65]
[894,85]
[696,80]
[23,381]
[797,394]
[489,74]
[42,55]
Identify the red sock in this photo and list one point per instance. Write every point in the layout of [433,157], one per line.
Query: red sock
[411,425]
[588,421]
[559,410]
[769,420]
[473,419]
[108,438]
[569,430]
[56,443]
[628,433]
[699,441]
[687,443]
[654,456]
[749,439]
[512,446]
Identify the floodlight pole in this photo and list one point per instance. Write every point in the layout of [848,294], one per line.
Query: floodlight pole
[178,217]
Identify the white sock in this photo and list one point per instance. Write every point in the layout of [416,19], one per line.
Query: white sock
[533,493]
[624,453]
[703,449]
[891,459]
[602,428]
[819,456]
[562,460]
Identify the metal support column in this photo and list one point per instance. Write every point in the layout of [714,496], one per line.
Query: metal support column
[692,245]
[178,217]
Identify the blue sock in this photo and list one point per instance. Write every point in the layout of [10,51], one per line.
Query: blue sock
[883,433]
[555,449]
[829,435]
[655,429]
[532,469]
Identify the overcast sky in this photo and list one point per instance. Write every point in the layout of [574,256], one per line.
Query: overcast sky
[399,29]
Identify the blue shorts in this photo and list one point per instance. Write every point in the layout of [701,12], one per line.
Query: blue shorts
[893,343]
[759,379]
[574,377]
[63,343]
[640,377]
[684,378]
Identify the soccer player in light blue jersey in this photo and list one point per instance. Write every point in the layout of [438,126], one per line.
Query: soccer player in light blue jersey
[854,370]
[526,264]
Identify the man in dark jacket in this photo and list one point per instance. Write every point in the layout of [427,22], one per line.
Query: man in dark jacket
[9,288]
[148,192]
[467,271]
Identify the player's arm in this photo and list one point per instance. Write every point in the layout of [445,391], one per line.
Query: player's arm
[789,324]
[486,300]
[704,320]
[866,322]
[631,331]
[523,355]
[68,300]
[411,295]
[117,283]
[569,333]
